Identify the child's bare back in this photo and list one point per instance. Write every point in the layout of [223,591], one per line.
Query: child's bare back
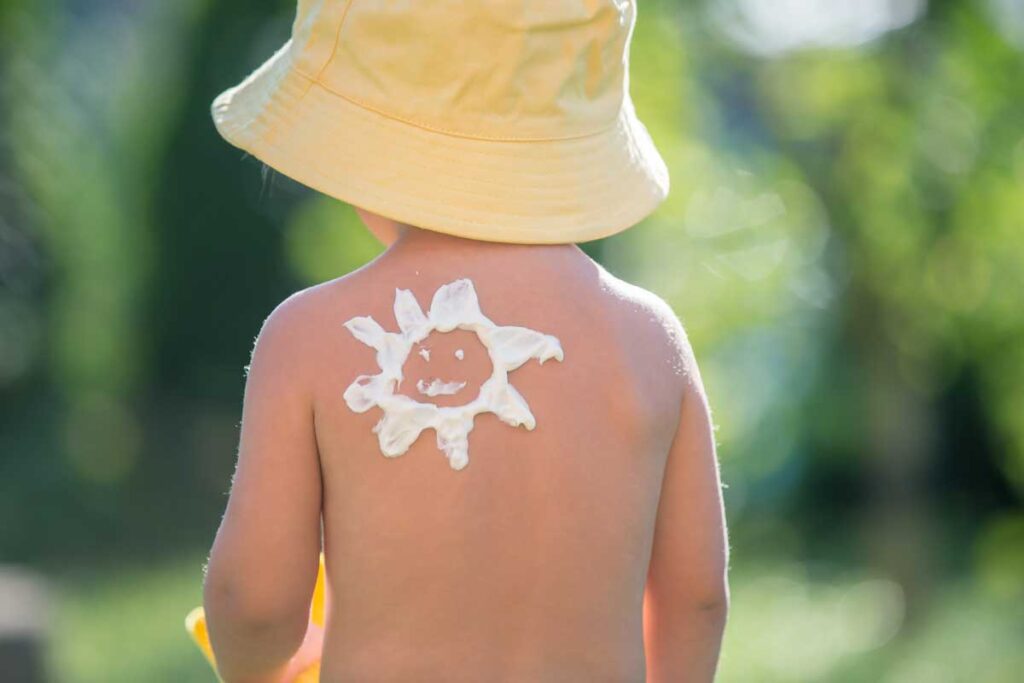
[530,564]
[590,548]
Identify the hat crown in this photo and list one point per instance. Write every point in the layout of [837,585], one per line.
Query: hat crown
[488,69]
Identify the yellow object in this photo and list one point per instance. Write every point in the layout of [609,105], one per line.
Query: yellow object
[195,624]
[493,120]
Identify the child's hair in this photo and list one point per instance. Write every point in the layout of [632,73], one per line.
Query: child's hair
[267,172]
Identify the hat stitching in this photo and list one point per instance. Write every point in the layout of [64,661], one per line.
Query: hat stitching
[337,39]
[624,209]
[311,80]
[281,109]
[627,135]
[492,153]
[437,129]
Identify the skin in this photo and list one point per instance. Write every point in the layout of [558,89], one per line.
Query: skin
[591,549]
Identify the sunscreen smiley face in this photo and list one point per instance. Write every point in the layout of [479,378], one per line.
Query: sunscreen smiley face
[454,306]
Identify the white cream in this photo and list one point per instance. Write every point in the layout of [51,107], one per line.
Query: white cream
[437,387]
[424,353]
[460,354]
[454,305]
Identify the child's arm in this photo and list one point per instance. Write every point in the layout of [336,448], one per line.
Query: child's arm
[687,593]
[263,565]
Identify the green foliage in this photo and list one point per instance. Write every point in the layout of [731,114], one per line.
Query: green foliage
[325,239]
[125,623]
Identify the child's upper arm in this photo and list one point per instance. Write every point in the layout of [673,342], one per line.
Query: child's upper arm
[689,558]
[265,558]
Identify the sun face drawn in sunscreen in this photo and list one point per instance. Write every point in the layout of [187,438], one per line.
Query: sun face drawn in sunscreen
[438,387]
[454,306]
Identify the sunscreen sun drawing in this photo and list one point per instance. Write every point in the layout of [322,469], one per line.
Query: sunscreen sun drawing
[454,306]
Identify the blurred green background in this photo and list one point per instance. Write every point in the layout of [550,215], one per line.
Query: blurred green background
[843,241]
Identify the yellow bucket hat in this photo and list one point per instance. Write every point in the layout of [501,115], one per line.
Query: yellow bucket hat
[492,120]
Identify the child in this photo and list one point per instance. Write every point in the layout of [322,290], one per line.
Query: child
[510,449]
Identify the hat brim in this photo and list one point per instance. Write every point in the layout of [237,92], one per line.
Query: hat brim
[532,191]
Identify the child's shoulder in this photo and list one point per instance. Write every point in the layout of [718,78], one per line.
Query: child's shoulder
[308,322]
[660,329]
[647,308]
[294,327]
[296,311]
[308,306]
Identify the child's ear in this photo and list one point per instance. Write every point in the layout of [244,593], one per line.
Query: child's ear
[386,230]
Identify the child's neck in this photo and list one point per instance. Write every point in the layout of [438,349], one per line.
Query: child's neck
[420,240]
